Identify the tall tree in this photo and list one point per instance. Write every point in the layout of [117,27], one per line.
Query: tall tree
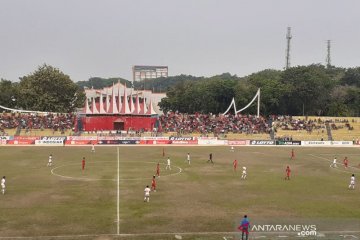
[8,93]
[308,90]
[50,90]
[351,77]
[272,89]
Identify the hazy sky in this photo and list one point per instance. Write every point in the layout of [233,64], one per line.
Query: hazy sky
[88,38]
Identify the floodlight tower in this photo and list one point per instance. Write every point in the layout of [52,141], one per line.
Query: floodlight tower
[328,56]
[288,38]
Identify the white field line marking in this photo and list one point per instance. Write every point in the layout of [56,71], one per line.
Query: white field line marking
[345,154]
[171,233]
[109,179]
[345,236]
[79,178]
[118,191]
[336,163]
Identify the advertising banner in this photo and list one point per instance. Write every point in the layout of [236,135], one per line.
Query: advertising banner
[23,140]
[207,138]
[262,142]
[156,141]
[327,143]
[116,142]
[106,138]
[19,138]
[182,138]
[342,143]
[80,142]
[292,143]
[4,139]
[186,142]
[155,138]
[315,143]
[51,140]
[237,142]
[212,142]
[76,138]
[127,138]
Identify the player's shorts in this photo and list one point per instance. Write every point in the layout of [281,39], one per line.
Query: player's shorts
[2,185]
[352,183]
[147,194]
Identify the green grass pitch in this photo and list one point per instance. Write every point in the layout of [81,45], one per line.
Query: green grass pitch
[197,201]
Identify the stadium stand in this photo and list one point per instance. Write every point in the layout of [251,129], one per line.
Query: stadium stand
[197,125]
[29,124]
[220,124]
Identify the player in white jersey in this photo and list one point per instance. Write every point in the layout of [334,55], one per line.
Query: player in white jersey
[333,163]
[243,176]
[93,148]
[3,185]
[147,191]
[188,158]
[168,163]
[50,160]
[232,149]
[352,182]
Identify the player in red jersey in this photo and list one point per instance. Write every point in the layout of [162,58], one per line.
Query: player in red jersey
[288,171]
[235,163]
[153,184]
[83,164]
[158,169]
[292,154]
[346,162]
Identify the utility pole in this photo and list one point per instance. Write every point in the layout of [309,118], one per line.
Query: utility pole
[288,38]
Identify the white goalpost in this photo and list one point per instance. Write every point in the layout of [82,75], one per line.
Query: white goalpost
[257,95]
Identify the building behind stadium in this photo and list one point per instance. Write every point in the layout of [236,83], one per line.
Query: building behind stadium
[120,108]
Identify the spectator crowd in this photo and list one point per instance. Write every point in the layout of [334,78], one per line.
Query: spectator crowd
[292,123]
[29,121]
[183,123]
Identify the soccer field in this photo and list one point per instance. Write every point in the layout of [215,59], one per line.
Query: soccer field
[197,201]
